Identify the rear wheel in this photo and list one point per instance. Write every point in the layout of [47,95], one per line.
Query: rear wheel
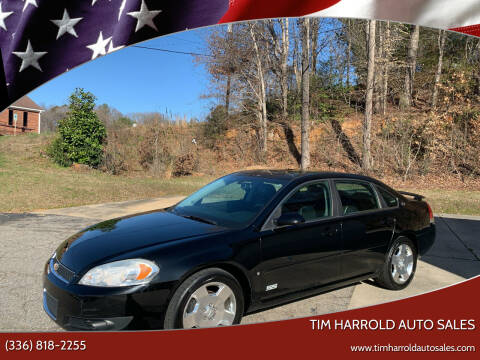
[209,298]
[400,265]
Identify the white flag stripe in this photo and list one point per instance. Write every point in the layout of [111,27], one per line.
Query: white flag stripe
[444,14]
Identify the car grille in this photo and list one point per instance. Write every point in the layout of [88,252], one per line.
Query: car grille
[50,304]
[62,271]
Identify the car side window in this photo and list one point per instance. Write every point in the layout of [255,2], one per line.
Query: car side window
[356,197]
[311,201]
[389,198]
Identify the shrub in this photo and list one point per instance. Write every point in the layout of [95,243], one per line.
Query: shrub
[56,151]
[185,164]
[81,134]
[215,125]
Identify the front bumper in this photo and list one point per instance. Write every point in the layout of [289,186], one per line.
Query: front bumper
[79,307]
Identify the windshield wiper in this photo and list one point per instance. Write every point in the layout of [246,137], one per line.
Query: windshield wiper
[196,218]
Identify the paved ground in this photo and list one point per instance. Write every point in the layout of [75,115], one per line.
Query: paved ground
[27,240]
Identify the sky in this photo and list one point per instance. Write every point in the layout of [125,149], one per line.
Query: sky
[140,80]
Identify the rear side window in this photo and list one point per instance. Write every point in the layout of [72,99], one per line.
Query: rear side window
[312,201]
[389,198]
[356,197]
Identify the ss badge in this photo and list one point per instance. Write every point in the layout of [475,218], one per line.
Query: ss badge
[271,287]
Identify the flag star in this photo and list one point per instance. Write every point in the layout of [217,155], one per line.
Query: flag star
[144,17]
[111,48]
[99,47]
[3,16]
[122,7]
[94,1]
[29,2]
[29,57]
[66,24]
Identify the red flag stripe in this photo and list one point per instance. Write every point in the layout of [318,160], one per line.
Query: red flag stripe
[469,30]
[248,10]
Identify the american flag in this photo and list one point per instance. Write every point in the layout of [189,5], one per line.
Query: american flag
[41,39]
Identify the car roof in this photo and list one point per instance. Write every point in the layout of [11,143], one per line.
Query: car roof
[291,174]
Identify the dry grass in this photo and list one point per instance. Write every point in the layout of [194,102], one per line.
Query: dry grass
[29,181]
[452,201]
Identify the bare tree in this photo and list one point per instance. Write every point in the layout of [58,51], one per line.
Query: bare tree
[279,63]
[367,124]
[314,27]
[411,64]
[305,161]
[387,48]
[296,70]
[441,47]
[284,81]
[349,53]
[260,91]
[229,72]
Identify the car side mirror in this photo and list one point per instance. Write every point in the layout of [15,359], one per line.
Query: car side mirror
[290,219]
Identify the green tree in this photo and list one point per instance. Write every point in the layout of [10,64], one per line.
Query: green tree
[81,134]
[124,121]
[215,125]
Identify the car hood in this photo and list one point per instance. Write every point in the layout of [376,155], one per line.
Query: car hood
[122,235]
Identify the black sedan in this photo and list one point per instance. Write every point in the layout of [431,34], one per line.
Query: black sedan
[245,242]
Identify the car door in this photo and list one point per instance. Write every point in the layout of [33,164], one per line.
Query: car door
[306,255]
[367,227]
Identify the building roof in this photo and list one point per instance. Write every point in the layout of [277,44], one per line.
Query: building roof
[26,103]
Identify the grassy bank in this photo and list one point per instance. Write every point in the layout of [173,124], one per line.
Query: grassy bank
[452,201]
[30,181]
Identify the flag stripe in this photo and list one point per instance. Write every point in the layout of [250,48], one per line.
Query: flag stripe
[248,9]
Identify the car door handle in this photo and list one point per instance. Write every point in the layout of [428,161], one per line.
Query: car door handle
[329,232]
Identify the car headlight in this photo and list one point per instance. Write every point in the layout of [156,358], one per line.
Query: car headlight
[121,273]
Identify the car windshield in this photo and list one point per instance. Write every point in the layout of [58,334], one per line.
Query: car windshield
[232,201]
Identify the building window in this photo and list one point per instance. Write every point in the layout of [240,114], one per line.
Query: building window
[25,119]
[10,117]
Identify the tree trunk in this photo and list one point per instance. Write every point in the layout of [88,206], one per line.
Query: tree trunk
[284,80]
[367,124]
[349,51]
[296,71]
[261,94]
[314,26]
[386,67]
[227,93]
[305,163]
[442,34]
[377,90]
[229,73]
[411,64]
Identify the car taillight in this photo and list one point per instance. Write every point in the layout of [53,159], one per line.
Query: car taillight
[430,213]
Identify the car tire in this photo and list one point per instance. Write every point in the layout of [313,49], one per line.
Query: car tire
[199,301]
[400,265]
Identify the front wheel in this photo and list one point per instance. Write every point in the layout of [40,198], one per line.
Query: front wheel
[209,298]
[400,265]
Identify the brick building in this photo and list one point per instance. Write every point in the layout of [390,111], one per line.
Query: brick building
[23,116]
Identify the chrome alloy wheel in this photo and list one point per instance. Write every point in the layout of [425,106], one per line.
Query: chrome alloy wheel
[402,264]
[212,304]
